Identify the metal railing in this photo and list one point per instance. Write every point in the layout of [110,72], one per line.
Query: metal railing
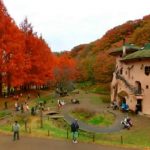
[134,90]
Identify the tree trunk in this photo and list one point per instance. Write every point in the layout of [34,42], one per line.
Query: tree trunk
[8,82]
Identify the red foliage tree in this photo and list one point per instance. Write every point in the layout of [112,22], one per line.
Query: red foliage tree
[38,57]
[64,70]
[11,40]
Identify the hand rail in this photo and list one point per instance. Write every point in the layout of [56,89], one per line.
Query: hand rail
[133,89]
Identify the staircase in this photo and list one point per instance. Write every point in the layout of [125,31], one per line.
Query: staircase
[133,89]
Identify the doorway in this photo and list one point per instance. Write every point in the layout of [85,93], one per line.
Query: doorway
[139,106]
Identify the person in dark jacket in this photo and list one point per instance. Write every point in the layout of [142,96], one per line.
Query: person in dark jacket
[74,130]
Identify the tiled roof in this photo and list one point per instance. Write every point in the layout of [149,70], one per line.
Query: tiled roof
[129,49]
[143,53]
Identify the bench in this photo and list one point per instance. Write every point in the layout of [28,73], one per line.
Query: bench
[56,116]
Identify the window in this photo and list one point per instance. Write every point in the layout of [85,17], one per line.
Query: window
[147,86]
[142,66]
[138,87]
[147,70]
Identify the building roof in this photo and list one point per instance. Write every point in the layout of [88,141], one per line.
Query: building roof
[143,53]
[130,48]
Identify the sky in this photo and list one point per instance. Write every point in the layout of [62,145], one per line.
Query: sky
[68,23]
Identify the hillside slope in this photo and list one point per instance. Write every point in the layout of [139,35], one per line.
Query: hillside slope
[94,62]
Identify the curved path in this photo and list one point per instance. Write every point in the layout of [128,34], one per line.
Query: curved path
[94,129]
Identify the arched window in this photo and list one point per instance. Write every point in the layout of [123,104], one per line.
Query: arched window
[138,87]
[147,70]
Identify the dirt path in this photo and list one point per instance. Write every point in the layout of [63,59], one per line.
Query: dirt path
[26,143]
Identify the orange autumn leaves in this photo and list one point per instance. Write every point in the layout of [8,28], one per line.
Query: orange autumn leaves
[25,58]
[64,69]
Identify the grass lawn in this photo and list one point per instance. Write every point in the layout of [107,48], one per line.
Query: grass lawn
[94,118]
[137,136]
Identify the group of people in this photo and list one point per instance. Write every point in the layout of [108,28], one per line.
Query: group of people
[124,106]
[127,123]
[23,107]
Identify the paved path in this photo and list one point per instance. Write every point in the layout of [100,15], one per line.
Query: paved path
[89,128]
[28,143]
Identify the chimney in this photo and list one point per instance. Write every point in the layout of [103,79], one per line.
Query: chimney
[124,48]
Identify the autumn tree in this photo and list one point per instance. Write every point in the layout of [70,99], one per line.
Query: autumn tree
[11,50]
[103,68]
[64,71]
[38,57]
[142,34]
[3,15]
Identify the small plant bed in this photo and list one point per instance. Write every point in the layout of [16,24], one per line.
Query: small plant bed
[4,113]
[102,119]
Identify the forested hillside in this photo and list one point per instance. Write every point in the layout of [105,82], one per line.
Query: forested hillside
[94,62]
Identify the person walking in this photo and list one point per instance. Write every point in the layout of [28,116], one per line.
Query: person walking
[59,105]
[74,130]
[15,129]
